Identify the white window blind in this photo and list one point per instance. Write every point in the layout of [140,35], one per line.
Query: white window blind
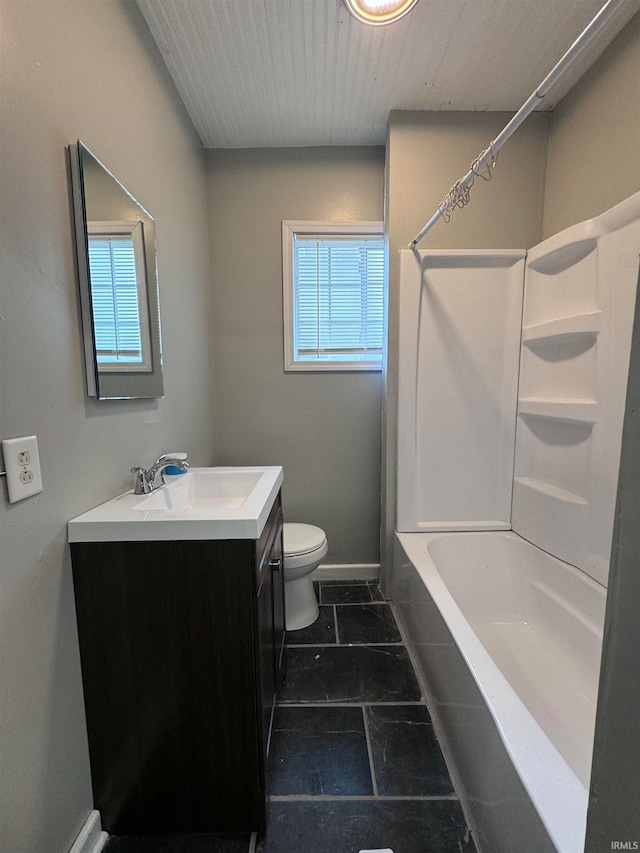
[334,295]
[118,296]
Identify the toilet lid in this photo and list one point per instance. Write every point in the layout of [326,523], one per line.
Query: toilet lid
[301,538]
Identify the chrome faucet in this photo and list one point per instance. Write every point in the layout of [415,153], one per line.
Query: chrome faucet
[147,481]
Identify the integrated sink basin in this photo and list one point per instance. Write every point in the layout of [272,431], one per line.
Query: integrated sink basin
[205,503]
[203,489]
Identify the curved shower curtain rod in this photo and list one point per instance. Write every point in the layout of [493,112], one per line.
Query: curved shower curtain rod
[458,194]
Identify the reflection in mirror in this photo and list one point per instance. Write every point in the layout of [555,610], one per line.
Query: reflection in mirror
[115,240]
[119,295]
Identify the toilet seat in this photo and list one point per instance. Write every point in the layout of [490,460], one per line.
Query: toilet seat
[300,539]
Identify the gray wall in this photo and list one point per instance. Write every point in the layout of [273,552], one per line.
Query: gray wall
[594,137]
[85,70]
[426,153]
[324,428]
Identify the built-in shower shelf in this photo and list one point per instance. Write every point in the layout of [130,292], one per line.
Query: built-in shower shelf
[562,330]
[575,411]
[561,258]
[550,491]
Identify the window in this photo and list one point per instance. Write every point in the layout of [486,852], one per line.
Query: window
[119,296]
[333,287]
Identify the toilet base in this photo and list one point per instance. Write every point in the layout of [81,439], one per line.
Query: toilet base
[301,604]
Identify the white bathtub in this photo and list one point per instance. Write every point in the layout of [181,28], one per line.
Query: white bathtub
[509,641]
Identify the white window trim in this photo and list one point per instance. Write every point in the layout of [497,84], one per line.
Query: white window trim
[132,229]
[290,228]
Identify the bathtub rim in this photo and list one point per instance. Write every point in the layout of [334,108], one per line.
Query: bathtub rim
[556,792]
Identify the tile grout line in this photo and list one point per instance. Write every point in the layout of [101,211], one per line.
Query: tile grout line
[335,623]
[358,798]
[336,703]
[343,645]
[367,735]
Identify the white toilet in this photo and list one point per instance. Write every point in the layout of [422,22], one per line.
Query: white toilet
[304,547]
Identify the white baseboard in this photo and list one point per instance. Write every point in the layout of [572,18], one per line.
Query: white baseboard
[91,838]
[347,572]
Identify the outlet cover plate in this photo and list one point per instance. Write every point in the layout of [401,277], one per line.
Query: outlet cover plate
[14,450]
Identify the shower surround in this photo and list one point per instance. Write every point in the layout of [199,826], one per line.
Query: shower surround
[507,626]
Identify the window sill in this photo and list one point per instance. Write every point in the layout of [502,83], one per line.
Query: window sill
[333,367]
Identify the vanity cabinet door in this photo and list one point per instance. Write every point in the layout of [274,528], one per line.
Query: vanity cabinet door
[168,646]
[266,655]
[277,569]
[270,613]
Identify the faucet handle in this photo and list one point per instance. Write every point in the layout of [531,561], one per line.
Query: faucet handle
[142,485]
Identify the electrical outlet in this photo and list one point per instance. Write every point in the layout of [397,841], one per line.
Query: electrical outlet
[22,464]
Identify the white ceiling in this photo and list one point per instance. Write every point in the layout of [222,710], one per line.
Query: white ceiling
[270,73]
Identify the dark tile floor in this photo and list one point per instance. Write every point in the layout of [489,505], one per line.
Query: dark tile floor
[355,764]
[355,761]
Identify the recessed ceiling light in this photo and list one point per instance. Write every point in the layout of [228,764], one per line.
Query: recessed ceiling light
[378,12]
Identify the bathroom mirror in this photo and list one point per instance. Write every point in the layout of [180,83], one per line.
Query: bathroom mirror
[117,275]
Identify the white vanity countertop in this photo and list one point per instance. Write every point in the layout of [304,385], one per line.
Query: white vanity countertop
[205,503]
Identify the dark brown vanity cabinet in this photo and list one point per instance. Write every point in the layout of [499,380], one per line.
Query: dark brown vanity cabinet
[181,647]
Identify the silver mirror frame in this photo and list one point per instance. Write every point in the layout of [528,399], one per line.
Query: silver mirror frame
[112,384]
